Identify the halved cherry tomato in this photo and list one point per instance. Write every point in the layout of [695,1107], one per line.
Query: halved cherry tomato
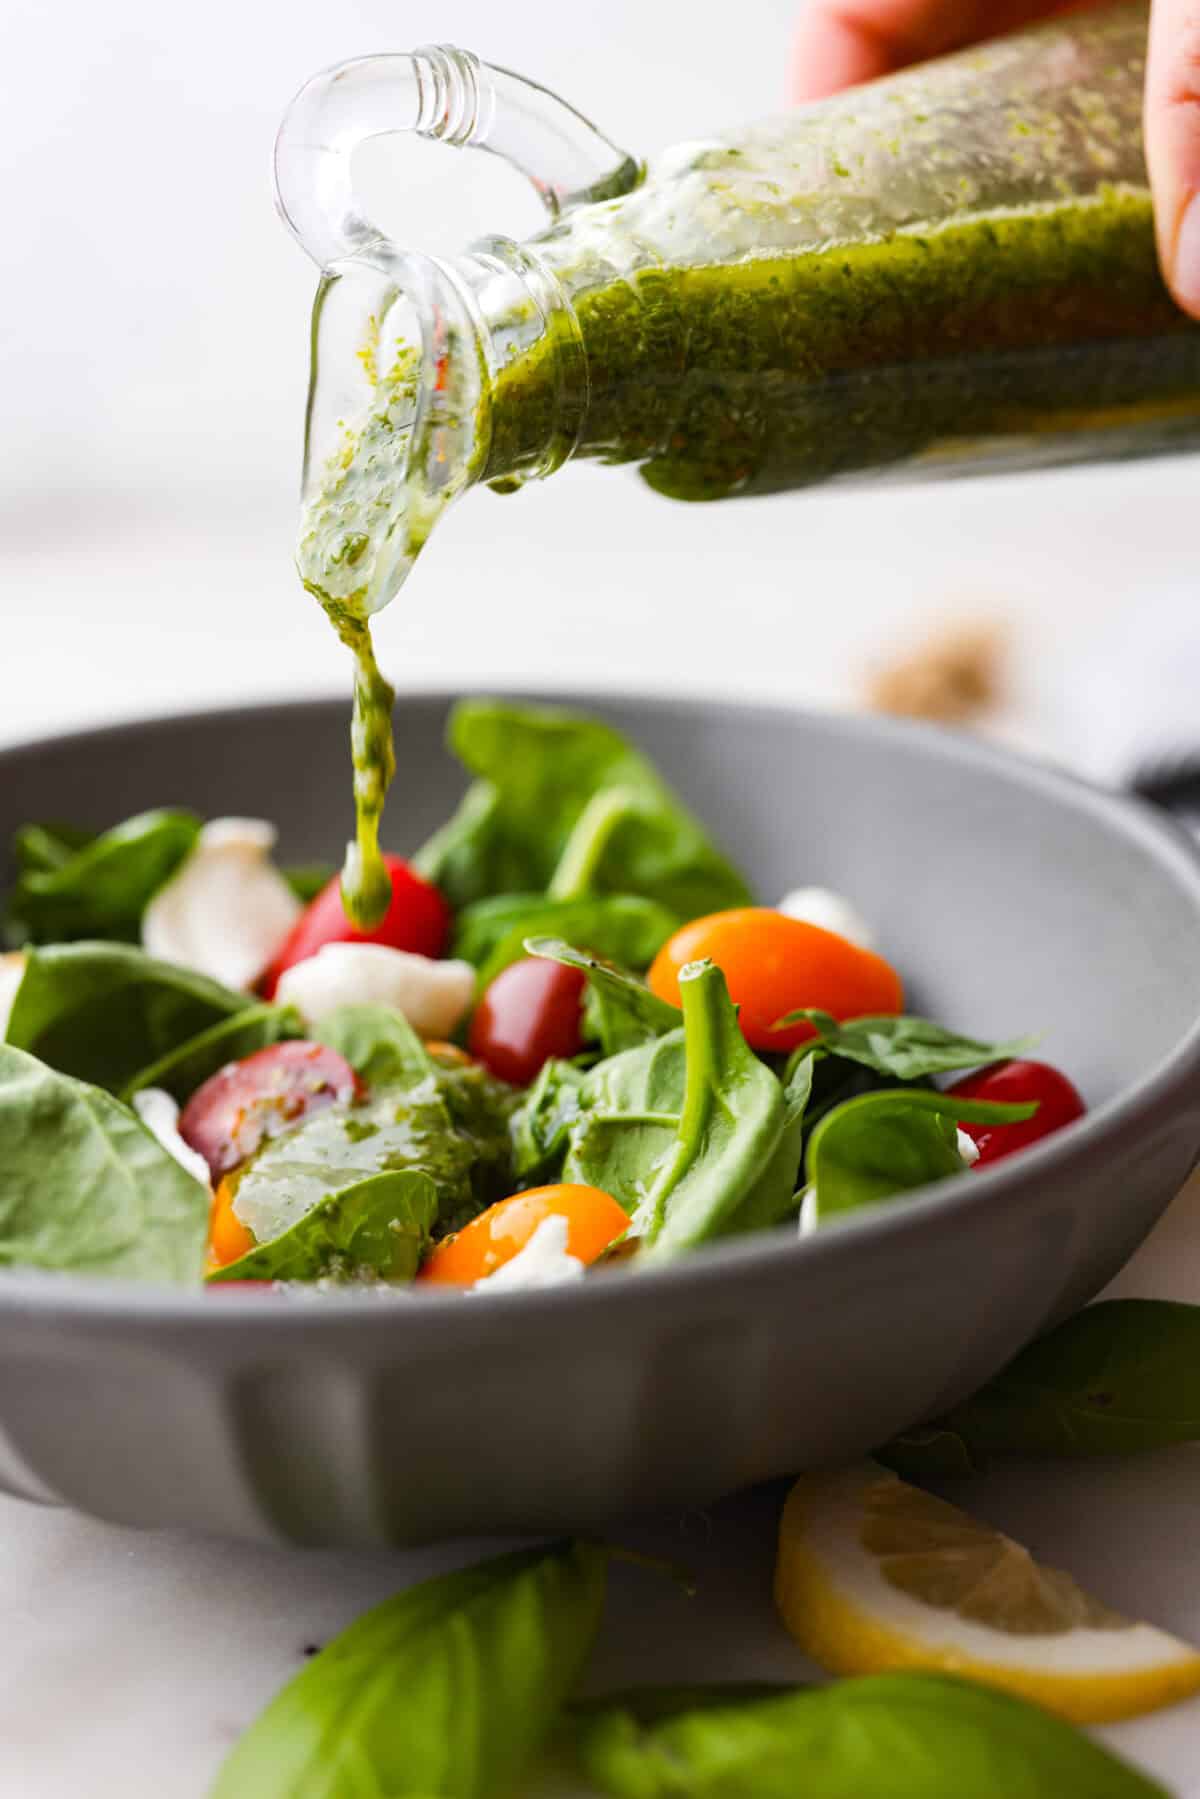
[418,919]
[240,1106]
[228,1238]
[531,1011]
[773,965]
[594,1220]
[1058,1100]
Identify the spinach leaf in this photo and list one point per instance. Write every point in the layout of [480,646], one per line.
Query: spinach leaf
[543,1122]
[834,1081]
[41,848]
[492,932]
[105,1011]
[622,1012]
[629,1119]
[188,1066]
[98,886]
[909,1736]
[378,1042]
[536,819]
[471,1106]
[886,1143]
[86,1187]
[376,1226]
[450,1688]
[480,1109]
[905,1048]
[405,1127]
[690,1132]
[306,879]
[1117,1378]
[764,1205]
[733,1146]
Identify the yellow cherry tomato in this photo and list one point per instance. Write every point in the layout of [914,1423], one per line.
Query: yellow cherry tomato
[773,965]
[594,1220]
[228,1238]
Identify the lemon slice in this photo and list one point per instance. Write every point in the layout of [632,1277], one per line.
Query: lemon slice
[874,1574]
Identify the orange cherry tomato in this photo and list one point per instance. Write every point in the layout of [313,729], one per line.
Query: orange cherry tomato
[773,965]
[228,1238]
[594,1220]
[448,1055]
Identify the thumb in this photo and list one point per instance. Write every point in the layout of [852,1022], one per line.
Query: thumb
[1173,143]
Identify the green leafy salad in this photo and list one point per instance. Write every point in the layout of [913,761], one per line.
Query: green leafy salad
[572,1042]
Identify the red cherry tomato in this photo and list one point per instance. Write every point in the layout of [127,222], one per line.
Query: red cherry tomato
[240,1106]
[530,1012]
[774,965]
[1009,1082]
[418,919]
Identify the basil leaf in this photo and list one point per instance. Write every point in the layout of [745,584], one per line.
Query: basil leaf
[492,932]
[105,1011]
[539,769]
[450,1688]
[886,1143]
[909,1736]
[187,1067]
[379,1226]
[100,887]
[1117,1378]
[929,1452]
[86,1186]
[906,1048]
[543,1124]
[378,1042]
[650,1705]
[623,1011]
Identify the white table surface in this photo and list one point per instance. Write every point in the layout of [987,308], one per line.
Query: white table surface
[129,1662]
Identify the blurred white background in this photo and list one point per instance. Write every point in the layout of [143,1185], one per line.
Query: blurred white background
[153,342]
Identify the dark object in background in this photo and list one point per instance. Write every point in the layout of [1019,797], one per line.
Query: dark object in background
[1173,785]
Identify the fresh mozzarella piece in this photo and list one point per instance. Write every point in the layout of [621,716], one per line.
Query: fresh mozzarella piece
[807,1221]
[12,973]
[228,909]
[968,1149]
[433,995]
[544,1262]
[160,1115]
[829,910]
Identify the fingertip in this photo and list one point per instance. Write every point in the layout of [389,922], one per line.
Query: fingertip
[1182,259]
[830,53]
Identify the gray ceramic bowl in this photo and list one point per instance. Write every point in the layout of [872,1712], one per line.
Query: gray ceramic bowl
[1013,898]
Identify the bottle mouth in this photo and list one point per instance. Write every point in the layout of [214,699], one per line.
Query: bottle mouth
[393,425]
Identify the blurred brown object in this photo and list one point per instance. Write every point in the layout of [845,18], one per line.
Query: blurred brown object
[955,676]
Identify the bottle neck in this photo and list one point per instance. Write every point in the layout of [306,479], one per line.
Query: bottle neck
[534,387]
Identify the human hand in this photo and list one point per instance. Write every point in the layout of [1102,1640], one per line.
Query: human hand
[841,42]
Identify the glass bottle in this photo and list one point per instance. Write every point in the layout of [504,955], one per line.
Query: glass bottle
[948,270]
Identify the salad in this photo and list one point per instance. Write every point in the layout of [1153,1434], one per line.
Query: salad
[573,1042]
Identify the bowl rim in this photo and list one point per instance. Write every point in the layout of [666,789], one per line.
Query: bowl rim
[67,1299]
